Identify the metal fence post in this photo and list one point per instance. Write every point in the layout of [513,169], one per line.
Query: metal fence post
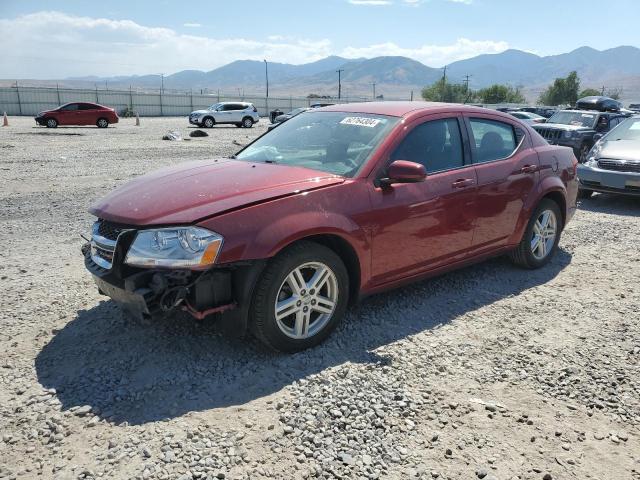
[97,99]
[19,102]
[191,99]
[161,112]
[58,90]
[130,99]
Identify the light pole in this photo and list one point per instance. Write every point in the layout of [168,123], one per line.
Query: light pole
[266,78]
[373,84]
[340,70]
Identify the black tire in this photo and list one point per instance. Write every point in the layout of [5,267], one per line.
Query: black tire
[247,122]
[208,122]
[583,152]
[102,123]
[584,193]
[51,123]
[523,255]
[263,319]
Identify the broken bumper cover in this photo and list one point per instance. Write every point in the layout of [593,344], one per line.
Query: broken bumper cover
[155,293]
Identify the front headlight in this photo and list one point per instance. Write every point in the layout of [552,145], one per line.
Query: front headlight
[568,134]
[592,156]
[179,247]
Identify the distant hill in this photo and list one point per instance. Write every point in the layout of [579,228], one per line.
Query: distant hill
[397,76]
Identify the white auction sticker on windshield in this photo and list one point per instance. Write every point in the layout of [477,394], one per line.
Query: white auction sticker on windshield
[361,121]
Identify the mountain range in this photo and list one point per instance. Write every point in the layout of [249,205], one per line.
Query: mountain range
[615,67]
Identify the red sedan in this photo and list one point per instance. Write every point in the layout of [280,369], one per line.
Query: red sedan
[335,204]
[79,113]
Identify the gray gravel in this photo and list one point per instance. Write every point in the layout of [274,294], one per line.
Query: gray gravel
[490,372]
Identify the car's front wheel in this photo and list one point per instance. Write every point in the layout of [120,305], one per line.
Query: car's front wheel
[208,122]
[584,193]
[51,123]
[300,297]
[540,240]
[583,152]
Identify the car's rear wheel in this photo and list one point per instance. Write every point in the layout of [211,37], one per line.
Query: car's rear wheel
[51,123]
[102,123]
[300,297]
[540,240]
[584,193]
[247,122]
[208,122]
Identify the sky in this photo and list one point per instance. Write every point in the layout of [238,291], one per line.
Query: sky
[42,39]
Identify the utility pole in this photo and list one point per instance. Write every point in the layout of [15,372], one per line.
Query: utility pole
[466,88]
[444,83]
[340,70]
[266,76]
[373,84]
[602,91]
[266,98]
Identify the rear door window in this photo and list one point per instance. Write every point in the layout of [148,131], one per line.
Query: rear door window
[492,139]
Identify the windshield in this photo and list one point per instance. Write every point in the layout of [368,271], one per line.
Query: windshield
[627,130]
[333,142]
[214,106]
[577,119]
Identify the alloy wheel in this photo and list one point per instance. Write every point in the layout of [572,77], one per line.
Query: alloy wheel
[544,234]
[306,300]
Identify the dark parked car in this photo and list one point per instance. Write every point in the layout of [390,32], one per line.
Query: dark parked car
[546,112]
[78,113]
[528,117]
[286,116]
[634,107]
[613,164]
[333,205]
[577,128]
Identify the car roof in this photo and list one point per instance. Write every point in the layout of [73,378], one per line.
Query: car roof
[405,108]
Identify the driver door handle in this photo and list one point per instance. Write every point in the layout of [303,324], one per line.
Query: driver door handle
[529,169]
[463,183]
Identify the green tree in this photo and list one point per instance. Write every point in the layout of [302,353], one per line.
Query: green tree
[563,90]
[589,92]
[442,91]
[500,94]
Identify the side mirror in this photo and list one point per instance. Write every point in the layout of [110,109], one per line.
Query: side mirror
[597,137]
[403,171]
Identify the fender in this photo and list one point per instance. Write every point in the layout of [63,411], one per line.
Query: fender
[262,231]
[546,185]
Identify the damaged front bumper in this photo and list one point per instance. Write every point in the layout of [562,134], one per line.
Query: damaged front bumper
[154,293]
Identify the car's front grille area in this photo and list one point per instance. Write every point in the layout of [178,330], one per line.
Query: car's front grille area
[110,230]
[549,134]
[619,165]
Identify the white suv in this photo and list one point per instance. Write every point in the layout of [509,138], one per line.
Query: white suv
[241,114]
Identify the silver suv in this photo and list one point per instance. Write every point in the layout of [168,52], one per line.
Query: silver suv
[241,114]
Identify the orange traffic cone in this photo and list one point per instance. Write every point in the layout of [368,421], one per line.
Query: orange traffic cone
[5,120]
[137,120]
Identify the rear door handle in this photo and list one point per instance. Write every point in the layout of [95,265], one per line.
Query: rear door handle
[529,169]
[463,183]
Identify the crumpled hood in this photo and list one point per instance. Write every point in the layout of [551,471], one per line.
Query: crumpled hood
[189,192]
[628,150]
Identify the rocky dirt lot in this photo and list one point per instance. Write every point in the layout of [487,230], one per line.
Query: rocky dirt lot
[490,372]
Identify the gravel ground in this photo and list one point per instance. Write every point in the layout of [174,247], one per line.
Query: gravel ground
[489,372]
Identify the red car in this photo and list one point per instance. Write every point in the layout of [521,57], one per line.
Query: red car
[79,113]
[335,204]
